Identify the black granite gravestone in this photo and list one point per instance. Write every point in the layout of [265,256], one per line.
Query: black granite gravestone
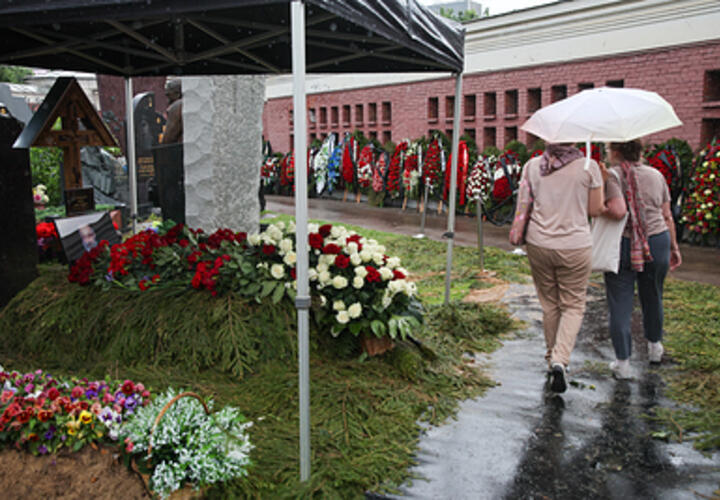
[148,127]
[169,174]
[18,242]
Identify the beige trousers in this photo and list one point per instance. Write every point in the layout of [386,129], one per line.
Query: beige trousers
[561,280]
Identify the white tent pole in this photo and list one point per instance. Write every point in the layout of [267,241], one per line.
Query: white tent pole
[450,234]
[302,301]
[130,150]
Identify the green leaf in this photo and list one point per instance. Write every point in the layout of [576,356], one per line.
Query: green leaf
[278,293]
[393,327]
[378,327]
[267,288]
[355,328]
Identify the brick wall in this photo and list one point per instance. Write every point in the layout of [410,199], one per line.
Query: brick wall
[678,74]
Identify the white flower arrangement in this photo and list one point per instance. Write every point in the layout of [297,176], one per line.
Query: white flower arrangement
[359,287]
[189,446]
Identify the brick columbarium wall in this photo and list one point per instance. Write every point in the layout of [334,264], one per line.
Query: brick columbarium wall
[495,104]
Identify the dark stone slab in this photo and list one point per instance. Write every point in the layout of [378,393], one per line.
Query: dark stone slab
[18,242]
[169,174]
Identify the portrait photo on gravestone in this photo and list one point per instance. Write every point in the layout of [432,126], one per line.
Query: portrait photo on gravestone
[82,233]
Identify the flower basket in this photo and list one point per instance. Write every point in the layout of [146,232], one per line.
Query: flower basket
[187,492]
[374,346]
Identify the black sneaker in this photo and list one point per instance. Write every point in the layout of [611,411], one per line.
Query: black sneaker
[558,383]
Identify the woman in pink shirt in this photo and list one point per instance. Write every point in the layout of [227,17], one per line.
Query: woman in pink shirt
[559,246]
[649,248]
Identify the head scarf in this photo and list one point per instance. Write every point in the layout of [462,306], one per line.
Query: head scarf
[557,156]
[639,248]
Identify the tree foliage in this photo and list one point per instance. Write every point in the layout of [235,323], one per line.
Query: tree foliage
[14,74]
[463,15]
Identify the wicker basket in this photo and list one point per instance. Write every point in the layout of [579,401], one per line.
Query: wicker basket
[187,492]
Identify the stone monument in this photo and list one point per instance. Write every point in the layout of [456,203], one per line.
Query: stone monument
[18,243]
[169,170]
[222,118]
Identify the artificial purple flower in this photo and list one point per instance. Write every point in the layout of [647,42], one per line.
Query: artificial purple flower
[42,449]
[107,415]
[50,433]
[130,404]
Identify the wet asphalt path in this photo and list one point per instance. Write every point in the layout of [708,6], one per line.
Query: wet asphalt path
[520,441]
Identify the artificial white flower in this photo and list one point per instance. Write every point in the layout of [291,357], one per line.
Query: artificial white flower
[355,310]
[358,282]
[339,305]
[254,239]
[312,274]
[378,258]
[274,232]
[386,300]
[342,317]
[326,259]
[393,262]
[323,300]
[322,267]
[337,231]
[313,227]
[355,259]
[291,227]
[396,286]
[352,248]
[290,258]
[280,225]
[277,271]
[324,277]
[286,245]
[366,255]
[339,282]
[361,271]
[385,273]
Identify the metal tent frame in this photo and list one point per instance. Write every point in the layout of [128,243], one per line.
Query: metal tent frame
[185,37]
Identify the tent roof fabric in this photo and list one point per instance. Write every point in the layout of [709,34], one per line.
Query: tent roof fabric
[187,37]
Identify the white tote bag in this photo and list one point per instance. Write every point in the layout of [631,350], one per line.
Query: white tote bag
[606,239]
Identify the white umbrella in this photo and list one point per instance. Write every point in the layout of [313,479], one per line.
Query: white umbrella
[603,114]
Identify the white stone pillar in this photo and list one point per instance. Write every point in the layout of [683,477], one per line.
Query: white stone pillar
[222,122]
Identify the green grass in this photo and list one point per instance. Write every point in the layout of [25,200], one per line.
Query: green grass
[692,323]
[365,413]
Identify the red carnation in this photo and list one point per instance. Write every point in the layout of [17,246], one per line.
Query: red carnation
[316,240]
[53,394]
[128,387]
[373,276]
[397,275]
[268,249]
[342,261]
[325,230]
[331,249]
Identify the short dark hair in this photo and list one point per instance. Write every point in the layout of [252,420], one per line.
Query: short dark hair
[630,151]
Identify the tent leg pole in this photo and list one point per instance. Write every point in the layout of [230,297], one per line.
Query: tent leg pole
[130,151]
[453,185]
[302,301]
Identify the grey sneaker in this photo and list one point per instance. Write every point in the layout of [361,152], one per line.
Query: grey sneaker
[558,383]
[621,369]
[655,352]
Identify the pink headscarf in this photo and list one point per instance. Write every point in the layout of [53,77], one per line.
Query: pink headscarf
[557,156]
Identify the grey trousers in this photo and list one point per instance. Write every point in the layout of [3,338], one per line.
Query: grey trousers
[620,289]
